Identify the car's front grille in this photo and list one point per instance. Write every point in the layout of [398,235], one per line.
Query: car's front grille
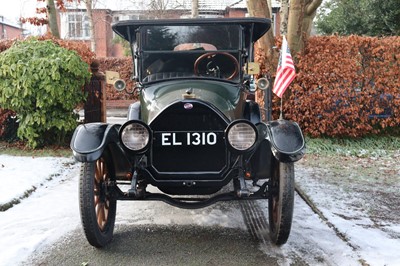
[188,137]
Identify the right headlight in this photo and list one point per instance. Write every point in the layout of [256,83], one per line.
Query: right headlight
[135,135]
[241,135]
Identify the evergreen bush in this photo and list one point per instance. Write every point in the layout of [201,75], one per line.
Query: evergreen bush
[42,82]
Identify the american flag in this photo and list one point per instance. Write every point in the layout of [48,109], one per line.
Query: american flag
[285,72]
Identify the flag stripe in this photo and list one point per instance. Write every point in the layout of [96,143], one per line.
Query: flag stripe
[285,78]
[285,72]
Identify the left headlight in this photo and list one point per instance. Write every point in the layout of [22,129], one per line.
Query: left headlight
[241,135]
[135,135]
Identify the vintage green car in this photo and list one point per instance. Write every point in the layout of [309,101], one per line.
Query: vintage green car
[196,132]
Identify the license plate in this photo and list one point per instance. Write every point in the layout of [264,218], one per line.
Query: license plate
[188,138]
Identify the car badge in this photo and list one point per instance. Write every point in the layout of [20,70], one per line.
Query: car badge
[188,106]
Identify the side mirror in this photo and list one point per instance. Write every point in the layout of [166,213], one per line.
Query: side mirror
[119,85]
[113,78]
[262,83]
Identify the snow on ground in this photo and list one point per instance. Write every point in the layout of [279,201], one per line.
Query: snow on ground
[24,174]
[49,213]
[52,211]
[351,207]
[376,247]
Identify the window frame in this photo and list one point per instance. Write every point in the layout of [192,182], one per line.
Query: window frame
[84,27]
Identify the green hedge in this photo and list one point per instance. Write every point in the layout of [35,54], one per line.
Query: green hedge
[42,82]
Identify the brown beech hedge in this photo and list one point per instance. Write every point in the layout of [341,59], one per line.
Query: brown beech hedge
[346,86]
[124,67]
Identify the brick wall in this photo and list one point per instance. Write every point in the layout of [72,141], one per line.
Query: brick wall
[235,13]
[102,19]
[9,32]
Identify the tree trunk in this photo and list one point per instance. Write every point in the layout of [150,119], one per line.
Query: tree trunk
[302,13]
[311,12]
[284,15]
[195,8]
[260,8]
[89,12]
[269,3]
[295,25]
[52,16]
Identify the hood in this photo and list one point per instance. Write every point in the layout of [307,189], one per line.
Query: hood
[221,95]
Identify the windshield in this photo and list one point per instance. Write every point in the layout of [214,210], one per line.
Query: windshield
[206,51]
[166,38]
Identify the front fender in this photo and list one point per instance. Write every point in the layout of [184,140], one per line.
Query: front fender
[90,140]
[286,139]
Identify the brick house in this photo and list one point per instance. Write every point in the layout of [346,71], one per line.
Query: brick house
[74,22]
[10,31]
[74,25]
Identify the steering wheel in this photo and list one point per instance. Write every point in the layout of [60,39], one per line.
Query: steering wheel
[213,67]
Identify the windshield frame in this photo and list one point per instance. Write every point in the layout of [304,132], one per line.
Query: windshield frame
[142,54]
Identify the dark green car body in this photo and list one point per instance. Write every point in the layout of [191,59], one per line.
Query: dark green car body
[196,133]
[195,97]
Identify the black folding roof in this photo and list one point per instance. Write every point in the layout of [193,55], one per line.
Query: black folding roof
[259,26]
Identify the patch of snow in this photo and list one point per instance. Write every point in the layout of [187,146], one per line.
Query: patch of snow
[374,246]
[347,209]
[21,174]
[49,213]
[147,213]
[312,240]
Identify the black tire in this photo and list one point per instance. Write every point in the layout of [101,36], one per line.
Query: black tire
[97,207]
[281,202]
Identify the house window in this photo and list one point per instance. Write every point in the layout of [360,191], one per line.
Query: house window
[4,32]
[78,26]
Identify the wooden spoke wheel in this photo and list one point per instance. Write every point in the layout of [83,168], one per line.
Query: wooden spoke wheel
[281,202]
[101,201]
[97,207]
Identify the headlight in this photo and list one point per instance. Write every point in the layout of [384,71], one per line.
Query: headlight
[135,135]
[241,135]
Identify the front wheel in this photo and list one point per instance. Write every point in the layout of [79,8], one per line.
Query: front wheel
[97,207]
[281,202]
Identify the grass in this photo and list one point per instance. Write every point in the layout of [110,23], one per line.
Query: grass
[374,146]
[8,205]
[345,162]
[19,149]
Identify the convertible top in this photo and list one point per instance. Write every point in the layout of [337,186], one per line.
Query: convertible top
[258,26]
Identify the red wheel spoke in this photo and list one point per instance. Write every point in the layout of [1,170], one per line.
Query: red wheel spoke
[101,207]
[97,174]
[96,200]
[100,215]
